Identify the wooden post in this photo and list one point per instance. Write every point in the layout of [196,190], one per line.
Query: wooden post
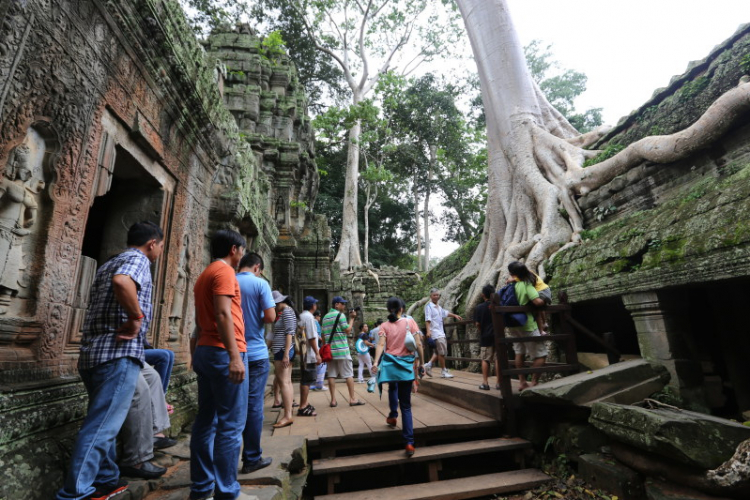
[507,409]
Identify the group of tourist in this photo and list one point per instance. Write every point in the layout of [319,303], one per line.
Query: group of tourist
[126,380]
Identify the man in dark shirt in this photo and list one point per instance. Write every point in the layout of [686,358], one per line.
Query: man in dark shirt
[483,318]
[111,360]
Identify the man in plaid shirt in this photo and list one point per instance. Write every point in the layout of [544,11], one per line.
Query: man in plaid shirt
[111,360]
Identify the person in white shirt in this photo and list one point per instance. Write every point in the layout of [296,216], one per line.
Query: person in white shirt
[434,316]
[312,357]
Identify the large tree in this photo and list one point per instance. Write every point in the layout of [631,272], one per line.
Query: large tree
[366,39]
[535,156]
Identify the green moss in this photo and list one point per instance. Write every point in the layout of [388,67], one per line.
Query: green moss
[692,89]
[608,152]
[745,64]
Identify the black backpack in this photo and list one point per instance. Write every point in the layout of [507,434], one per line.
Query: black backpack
[508,298]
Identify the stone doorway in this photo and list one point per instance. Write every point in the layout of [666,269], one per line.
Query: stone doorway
[127,193]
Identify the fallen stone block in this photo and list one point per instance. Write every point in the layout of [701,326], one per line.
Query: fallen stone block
[691,438]
[606,473]
[626,382]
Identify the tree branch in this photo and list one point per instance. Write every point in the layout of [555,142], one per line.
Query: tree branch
[362,54]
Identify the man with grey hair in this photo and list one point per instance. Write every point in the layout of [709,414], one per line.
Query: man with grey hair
[434,316]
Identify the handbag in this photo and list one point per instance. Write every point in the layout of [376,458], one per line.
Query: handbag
[325,349]
[409,342]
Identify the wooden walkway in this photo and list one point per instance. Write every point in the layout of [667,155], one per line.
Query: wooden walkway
[354,423]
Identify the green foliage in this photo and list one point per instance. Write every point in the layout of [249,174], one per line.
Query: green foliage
[298,204]
[273,46]
[608,152]
[696,193]
[745,64]
[561,89]
[207,15]
[591,234]
[692,89]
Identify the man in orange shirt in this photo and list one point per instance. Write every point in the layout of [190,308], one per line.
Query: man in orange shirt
[219,358]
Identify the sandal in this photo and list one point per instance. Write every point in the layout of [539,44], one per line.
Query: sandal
[484,387]
[333,405]
[307,411]
[277,405]
[283,424]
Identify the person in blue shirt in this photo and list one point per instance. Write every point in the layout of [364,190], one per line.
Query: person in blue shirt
[258,308]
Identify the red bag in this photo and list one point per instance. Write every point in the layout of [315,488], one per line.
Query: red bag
[325,349]
[325,353]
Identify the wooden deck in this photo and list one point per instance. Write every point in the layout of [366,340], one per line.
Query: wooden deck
[354,423]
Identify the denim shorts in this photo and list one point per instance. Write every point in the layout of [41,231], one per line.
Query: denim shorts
[278,356]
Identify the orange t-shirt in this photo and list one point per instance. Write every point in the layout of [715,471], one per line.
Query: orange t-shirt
[218,279]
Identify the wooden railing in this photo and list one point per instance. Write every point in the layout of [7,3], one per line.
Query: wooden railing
[564,326]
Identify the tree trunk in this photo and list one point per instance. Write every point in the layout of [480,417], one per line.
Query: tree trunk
[415,193]
[426,210]
[367,225]
[348,256]
[535,156]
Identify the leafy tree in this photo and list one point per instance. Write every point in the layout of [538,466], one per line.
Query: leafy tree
[365,40]
[561,89]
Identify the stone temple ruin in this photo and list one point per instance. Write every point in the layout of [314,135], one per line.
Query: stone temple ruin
[112,112]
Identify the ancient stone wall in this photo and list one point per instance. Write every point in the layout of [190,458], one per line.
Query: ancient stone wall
[110,113]
[665,225]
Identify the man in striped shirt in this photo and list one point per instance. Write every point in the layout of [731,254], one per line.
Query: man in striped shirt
[335,330]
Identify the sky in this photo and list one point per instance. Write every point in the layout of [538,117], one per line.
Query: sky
[627,49]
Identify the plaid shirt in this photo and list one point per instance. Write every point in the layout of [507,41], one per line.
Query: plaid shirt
[105,315]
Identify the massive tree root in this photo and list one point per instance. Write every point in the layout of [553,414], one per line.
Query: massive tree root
[535,156]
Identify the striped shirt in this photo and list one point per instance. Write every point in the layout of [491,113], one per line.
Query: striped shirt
[339,343]
[105,315]
[285,325]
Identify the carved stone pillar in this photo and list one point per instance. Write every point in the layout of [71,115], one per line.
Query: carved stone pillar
[662,338]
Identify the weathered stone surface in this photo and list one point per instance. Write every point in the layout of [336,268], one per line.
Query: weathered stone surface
[660,490]
[690,438]
[606,473]
[735,472]
[607,383]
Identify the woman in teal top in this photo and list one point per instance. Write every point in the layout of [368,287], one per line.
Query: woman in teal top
[396,366]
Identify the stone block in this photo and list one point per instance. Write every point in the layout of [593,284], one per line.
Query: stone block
[608,474]
[660,490]
[583,388]
[691,438]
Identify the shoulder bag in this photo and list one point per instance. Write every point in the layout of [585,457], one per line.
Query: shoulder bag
[325,349]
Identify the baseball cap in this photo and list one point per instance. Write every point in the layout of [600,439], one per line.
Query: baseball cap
[308,302]
[338,299]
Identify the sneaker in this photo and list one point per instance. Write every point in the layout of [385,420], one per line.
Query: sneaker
[409,450]
[428,369]
[109,491]
[446,374]
[360,381]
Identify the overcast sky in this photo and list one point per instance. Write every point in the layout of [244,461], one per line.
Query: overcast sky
[627,49]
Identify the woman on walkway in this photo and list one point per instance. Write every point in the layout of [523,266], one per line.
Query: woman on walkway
[395,365]
[283,354]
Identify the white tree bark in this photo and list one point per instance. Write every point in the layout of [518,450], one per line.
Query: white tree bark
[535,156]
[348,256]
[426,209]
[415,194]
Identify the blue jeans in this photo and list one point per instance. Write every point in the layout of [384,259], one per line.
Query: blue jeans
[399,394]
[162,360]
[217,431]
[110,387]
[257,376]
